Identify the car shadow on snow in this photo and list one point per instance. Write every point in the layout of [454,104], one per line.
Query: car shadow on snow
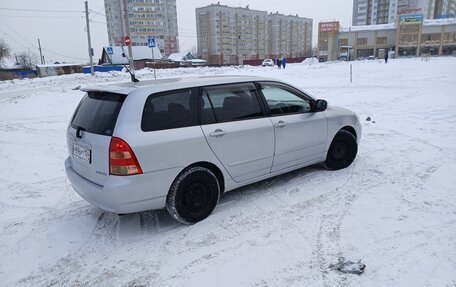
[135,225]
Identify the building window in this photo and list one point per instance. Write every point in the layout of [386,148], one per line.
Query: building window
[410,28]
[382,40]
[343,42]
[361,41]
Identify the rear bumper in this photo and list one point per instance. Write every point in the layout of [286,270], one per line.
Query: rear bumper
[125,194]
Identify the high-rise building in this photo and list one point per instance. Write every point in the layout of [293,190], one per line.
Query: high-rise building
[372,12]
[146,18]
[230,35]
[441,9]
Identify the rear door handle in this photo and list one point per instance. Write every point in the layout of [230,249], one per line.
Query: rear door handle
[218,133]
[280,124]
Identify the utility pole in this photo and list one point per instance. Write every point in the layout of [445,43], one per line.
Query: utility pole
[88,37]
[130,49]
[41,53]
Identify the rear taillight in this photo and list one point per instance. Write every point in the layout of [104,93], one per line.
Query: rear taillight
[122,160]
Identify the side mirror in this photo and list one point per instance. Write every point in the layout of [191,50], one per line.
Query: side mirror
[321,105]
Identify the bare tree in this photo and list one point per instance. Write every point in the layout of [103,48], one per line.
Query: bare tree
[5,50]
[26,59]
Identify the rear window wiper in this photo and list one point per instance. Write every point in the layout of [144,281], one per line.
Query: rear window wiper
[78,132]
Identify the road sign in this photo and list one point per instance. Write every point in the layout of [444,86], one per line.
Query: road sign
[109,50]
[127,41]
[151,42]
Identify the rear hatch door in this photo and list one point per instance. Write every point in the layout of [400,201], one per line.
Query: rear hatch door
[90,132]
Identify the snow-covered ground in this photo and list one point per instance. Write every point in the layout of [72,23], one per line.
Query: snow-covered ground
[394,207]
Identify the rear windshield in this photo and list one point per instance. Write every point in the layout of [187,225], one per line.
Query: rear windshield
[97,112]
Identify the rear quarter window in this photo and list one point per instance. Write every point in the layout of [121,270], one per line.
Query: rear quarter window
[170,110]
[97,112]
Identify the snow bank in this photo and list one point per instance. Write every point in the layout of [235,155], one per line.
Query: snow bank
[310,61]
[393,208]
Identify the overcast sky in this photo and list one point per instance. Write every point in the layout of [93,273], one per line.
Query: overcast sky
[63,35]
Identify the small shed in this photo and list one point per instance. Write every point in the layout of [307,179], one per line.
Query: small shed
[186,59]
[47,70]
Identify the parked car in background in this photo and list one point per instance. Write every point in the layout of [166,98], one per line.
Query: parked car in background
[181,143]
[371,58]
[268,62]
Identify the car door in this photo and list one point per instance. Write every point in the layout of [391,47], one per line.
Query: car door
[237,129]
[300,133]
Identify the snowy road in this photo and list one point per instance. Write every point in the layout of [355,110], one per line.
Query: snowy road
[394,208]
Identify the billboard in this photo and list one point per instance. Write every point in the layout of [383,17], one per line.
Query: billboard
[328,26]
[410,11]
[411,19]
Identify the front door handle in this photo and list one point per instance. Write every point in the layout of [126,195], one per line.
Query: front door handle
[281,124]
[218,133]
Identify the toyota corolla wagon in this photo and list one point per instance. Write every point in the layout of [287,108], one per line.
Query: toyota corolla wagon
[181,143]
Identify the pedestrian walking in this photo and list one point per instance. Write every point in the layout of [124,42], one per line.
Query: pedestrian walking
[386,56]
[279,62]
[284,62]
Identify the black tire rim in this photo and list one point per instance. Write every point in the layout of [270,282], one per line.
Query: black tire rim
[197,198]
[339,150]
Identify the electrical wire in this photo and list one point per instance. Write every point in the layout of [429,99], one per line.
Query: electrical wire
[97,12]
[97,22]
[42,17]
[34,46]
[17,42]
[45,11]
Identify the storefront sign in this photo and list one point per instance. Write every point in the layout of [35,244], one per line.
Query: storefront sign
[328,26]
[411,19]
[445,16]
[410,11]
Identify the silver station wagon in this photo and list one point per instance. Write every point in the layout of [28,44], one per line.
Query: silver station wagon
[180,143]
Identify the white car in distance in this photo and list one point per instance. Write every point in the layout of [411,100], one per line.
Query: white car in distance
[268,63]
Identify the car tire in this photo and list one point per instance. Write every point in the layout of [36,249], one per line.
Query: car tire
[193,195]
[342,151]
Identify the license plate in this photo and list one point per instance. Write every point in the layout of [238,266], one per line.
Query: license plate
[82,153]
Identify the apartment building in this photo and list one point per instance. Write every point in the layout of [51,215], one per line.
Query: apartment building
[439,9]
[290,36]
[146,18]
[375,12]
[230,35]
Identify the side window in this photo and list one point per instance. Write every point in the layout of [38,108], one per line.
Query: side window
[170,110]
[282,101]
[232,103]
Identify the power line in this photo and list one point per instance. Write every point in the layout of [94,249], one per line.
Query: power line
[46,11]
[14,31]
[92,21]
[62,55]
[34,46]
[43,17]
[9,36]
[98,12]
